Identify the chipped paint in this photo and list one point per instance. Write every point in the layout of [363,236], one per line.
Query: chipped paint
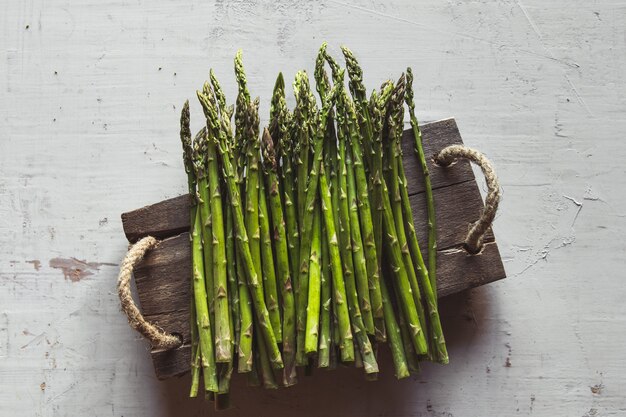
[75,269]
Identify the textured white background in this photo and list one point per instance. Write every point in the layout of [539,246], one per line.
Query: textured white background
[89,102]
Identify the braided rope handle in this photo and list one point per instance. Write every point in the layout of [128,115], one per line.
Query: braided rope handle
[157,337]
[477,230]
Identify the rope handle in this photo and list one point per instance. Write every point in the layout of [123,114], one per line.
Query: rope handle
[477,230]
[157,337]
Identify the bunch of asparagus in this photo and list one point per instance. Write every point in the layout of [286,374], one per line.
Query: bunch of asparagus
[291,226]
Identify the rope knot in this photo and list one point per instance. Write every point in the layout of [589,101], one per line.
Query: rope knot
[477,230]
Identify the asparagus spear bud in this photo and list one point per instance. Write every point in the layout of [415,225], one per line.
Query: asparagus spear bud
[282,259]
[430,277]
[185,137]
[242,236]
[243,97]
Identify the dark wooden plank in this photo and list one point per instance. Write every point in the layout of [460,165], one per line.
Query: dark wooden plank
[458,270]
[169,363]
[165,272]
[163,277]
[171,217]
[164,219]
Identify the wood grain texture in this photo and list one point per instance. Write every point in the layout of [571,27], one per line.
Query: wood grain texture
[163,277]
[90,102]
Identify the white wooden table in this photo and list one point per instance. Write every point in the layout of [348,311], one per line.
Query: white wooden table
[89,106]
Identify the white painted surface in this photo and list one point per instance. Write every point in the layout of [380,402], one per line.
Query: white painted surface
[89,110]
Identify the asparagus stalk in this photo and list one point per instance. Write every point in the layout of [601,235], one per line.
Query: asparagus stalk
[429,280]
[267,259]
[301,120]
[366,219]
[231,272]
[409,350]
[394,335]
[325,342]
[202,310]
[280,121]
[252,186]
[400,274]
[282,260]
[374,150]
[394,120]
[195,350]
[246,361]
[241,235]
[204,206]
[264,366]
[218,250]
[315,282]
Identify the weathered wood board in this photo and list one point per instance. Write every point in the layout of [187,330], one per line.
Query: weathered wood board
[163,277]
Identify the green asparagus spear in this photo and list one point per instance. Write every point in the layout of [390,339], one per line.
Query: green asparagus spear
[429,280]
[267,259]
[325,342]
[185,137]
[280,121]
[217,241]
[241,235]
[315,285]
[365,217]
[282,259]
[374,151]
[202,310]
[394,336]
[395,117]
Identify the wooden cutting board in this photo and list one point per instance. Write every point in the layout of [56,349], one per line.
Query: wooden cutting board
[163,277]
